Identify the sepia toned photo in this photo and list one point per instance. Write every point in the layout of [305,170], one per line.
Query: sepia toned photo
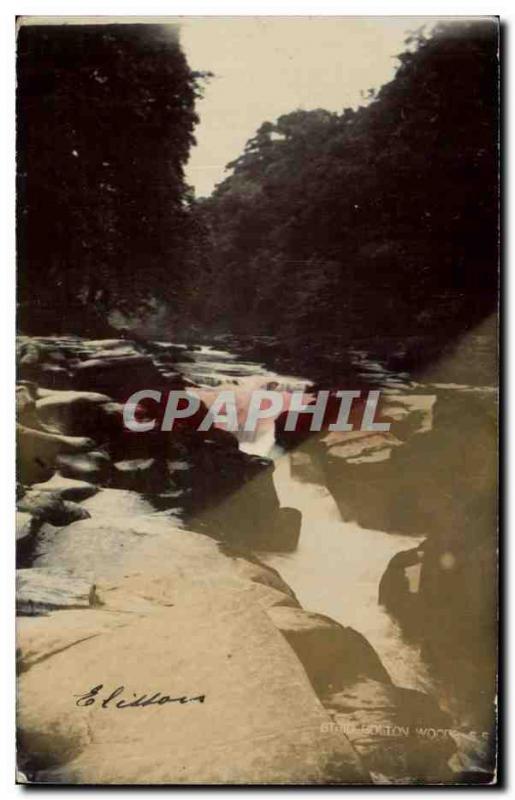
[257,400]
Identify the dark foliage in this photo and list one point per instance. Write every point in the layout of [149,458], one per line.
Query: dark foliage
[377,222]
[105,123]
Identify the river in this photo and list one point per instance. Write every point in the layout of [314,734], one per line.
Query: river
[337,566]
[432,494]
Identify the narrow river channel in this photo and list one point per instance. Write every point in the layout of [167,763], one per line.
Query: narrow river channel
[337,566]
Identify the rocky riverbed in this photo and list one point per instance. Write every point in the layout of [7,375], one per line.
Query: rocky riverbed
[141,565]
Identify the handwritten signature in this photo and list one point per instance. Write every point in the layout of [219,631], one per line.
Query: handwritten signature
[140,701]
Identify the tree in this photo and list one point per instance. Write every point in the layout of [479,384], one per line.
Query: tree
[380,221]
[105,122]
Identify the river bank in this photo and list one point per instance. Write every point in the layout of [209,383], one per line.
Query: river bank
[170,534]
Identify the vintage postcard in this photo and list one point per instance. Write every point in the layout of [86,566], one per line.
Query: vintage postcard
[257,400]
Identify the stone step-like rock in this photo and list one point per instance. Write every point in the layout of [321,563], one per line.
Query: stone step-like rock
[67,488]
[39,590]
[332,655]
[93,467]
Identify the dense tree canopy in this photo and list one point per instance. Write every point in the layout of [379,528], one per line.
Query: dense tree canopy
[376,221]
[105,122]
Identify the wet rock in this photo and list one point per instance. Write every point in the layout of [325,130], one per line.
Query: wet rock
[401,735]
[302,429]
[26,526]
[284,531]
[456,620]
[409,414]
[220,438]
[41,590]
[71,413]
[27,352]
[291,439]
[174,380]
[117,377]
[360,447]
[146,475]
[46,506]
[67,488]
[399,589]
[305,467]
[172,353]
[54,376]
[43,362]
[112,504]
[74,512]
[448,480]
[235,492]
[93,467]
[333,656]
[26,405]
[38,450]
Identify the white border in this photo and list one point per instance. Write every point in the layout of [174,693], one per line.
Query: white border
[7,81]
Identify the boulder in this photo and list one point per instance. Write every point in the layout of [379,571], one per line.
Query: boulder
[146,475]
[67,488]
[399,589]
[41,590]
[71,413]
[25,405]
[117,377]
[302,430]
[283,533]
[28,352]
[235,494]
[49,507]
[37,451]
[93,467]
[333,656]
[54,376]
[43,363]
[113,504]
[305,467]
[360,447]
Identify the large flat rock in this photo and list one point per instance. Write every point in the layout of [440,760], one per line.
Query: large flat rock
[260,721]
[179,617]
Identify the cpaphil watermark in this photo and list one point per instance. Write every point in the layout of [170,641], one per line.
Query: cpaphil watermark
[342,410]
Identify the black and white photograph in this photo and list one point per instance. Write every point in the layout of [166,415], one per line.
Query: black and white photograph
[257,400]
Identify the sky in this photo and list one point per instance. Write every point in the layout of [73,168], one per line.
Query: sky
[264,67]
[267,66]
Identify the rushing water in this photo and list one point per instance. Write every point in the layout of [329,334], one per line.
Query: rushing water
[337,566]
